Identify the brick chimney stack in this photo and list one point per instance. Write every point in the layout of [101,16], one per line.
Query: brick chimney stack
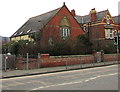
[93,15]
[73,12]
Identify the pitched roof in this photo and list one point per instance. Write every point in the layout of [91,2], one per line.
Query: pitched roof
[36,23]
[116,19]
[83,19]
[86,18]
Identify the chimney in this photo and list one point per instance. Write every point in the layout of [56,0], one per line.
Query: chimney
[93,15]
[73,12]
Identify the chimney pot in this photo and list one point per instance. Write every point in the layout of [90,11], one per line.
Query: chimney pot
[73,12]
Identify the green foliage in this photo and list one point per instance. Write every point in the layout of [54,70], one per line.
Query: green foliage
[4,49]
[61,48]
[36,36]
[109,48]
[83,45]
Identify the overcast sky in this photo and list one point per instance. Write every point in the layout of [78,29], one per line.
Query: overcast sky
[14,13]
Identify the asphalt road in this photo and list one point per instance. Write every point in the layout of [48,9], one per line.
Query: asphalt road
[100,78]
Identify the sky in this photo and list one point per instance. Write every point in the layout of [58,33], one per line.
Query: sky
[14,13]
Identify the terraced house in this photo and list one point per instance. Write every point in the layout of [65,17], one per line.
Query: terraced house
[61,23]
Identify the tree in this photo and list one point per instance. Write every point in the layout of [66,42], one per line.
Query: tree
[36,36]
[83,45]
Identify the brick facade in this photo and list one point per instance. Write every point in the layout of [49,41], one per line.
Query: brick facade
[52,29]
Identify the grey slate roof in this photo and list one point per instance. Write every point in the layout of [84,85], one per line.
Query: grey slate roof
[35,24]
[116,19]
[83,19]
[86,19]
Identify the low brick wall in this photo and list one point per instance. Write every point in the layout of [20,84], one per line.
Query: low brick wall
[110,57]
[52,61]
[21,63]
[68,60]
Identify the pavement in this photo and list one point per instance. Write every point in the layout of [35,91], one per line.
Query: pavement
[19,73]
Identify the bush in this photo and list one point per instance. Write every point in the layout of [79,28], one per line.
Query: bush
[81,45]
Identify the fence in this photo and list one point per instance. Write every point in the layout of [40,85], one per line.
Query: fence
[8,62]
[44,60]
[28,61]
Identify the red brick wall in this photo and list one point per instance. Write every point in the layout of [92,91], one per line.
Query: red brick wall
[21,63]
[60,61]
[93,17]
[97,32]
[111,57]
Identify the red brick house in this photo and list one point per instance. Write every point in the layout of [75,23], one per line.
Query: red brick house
[56,25]
[60,24]
[101,27]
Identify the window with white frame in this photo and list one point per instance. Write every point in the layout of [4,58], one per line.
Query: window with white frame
[109,34]
[106,33]
[65,32]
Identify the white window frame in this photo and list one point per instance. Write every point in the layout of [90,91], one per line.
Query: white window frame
[65,32]
[109,34]
[106,33]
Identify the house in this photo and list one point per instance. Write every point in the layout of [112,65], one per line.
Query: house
[101,27]
[55,25]
[60,24]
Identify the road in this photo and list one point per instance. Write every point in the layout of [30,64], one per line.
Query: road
[99,78]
